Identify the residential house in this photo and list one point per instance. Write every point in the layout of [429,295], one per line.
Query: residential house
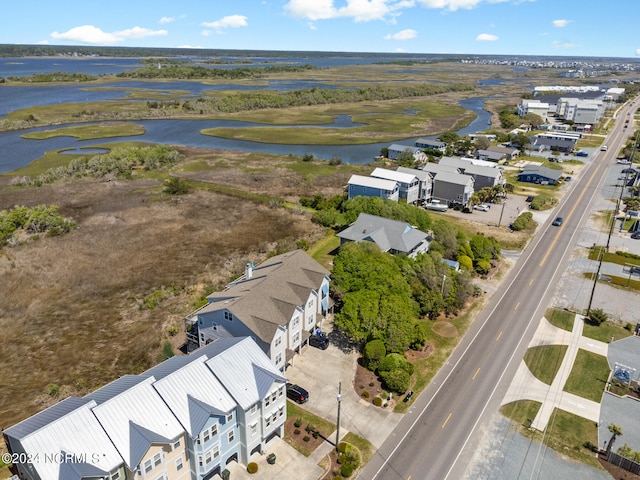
[62,442]
[425,179]
[396,149]
[580,111]
[391,236]
[538,174]
[143,429]
[491,156]
[485,174]
[427,144]
[257,387]
[408,183]
[186,418]
[554,141]
[542,109]
[509,152]
[278,303]
[436,168]
[453,188]
[360,185]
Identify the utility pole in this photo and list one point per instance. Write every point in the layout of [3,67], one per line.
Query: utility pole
[504,202]
[339,398]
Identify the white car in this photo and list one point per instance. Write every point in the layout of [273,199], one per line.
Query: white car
[482,207]
[623,161]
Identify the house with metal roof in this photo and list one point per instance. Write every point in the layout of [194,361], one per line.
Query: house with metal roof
[427,144]
[257,387]
[278,303]
[554,141]
[186,418]
[359,185]
[394,150]
[425,180]
[538,174]
[453,188]
[64,442]
[408,183]
[391,236]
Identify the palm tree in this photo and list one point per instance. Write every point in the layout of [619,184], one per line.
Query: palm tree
[616,431]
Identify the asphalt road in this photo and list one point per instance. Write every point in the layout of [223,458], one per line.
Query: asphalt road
[437,438]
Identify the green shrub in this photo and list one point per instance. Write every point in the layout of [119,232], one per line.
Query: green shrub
[176,186]
[538,202]
[483,267]
[365,394]
[465,261]
[377,402]
[298,422]
[53,390]
[371,384]
[629,326]
[252,467]
[342,447]
[597,316]
[296,431]
[306,438]
[346,470]
[524,221]
[395,361]
[397,381]
[372,353]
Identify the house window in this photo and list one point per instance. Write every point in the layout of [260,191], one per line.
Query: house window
[179,464]
[281,411]
[254,409]
[232,436]
[254,429]
[310,304]
[278,341]
[200,461]
[148,466]
[273,397]
[278,359]
[207,458]
[296,321]
[228,316]
[176,445]
[281,391]
[216,451]
[230,417]
[296,337]
[267,401]
[215,326]
[115,476]
[268,421]
[157,459]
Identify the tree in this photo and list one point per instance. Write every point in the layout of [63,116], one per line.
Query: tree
[406,158]
[616,432]
[521,141]
[597,316]
[176,186]
[372,353]
[534,120]
[482,142]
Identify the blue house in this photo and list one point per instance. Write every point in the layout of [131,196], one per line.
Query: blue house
[360,185]
[541,175]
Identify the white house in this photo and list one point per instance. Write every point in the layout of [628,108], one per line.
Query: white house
[425,180]
[408,183]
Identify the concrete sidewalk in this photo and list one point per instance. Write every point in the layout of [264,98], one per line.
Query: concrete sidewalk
[527,387]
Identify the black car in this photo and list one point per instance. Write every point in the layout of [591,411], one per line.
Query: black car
[297,393]
[319,341]
[530,198]
[629,170]
[557,222]
[636,235]
[408,396]
[635,270]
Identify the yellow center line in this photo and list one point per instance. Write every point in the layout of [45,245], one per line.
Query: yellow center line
[498,337]
[476,374]
[531,282]
[517,305]
[445,422]
[575,205]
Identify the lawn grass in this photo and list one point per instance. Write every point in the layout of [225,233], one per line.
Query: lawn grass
[323,427]
[544,361]
[90,132]
[609,257]
[605,332]
[521,411]
[588,376]
[621,282]
[560,318]
[363,445]
[324,250]
[568,434]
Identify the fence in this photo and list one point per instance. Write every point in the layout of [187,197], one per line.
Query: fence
[623,462]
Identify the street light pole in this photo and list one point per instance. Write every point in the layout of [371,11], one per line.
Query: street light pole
[444,277]
[501,212]
[339,398]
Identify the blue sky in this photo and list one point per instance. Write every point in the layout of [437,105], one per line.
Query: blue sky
[509,27]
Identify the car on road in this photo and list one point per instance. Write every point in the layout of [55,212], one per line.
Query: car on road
[635,270]
[319,341]
[582,154]
[636,235]
[408,396]
[603,148]
[483,207]
[557,222]
[530,198]
[623,161]
[297,393]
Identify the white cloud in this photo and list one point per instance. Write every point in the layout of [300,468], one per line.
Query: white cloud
[230,21]
[43,42]
[561,23]
[205,33]
[359,10]
[563,45]
[92,34]
[487,37]
[189,46]
[638,51]
[164,20]
[451,5]
[311,26]
[407,34]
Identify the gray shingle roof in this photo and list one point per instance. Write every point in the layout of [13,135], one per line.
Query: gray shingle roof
[269,298]
[455,178]
[386,233]
[542,171]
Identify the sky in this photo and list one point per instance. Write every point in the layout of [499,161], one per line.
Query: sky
[484,27]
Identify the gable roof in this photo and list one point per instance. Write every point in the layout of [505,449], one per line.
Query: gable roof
[270,297]
[71,430]
[396,147]
[373,182]
[483,171]
[433,143]
[454,178]
[386,233]
[395,175]
[422,175]
[244,370]
[541,171]
[193,394]
[436,169]
[136,419]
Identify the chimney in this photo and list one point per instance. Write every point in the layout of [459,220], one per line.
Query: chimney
[248,271]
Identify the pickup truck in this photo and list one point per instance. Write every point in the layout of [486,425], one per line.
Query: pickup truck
[436,206]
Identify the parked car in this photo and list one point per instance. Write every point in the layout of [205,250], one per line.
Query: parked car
[582,154]
[636,235]
[635,270]
[530,198]
[319,341]
[297,393]
[483,207]
[567,179]
[408,396]
[557,222]
[628,170]
[623,161]
[435,205]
